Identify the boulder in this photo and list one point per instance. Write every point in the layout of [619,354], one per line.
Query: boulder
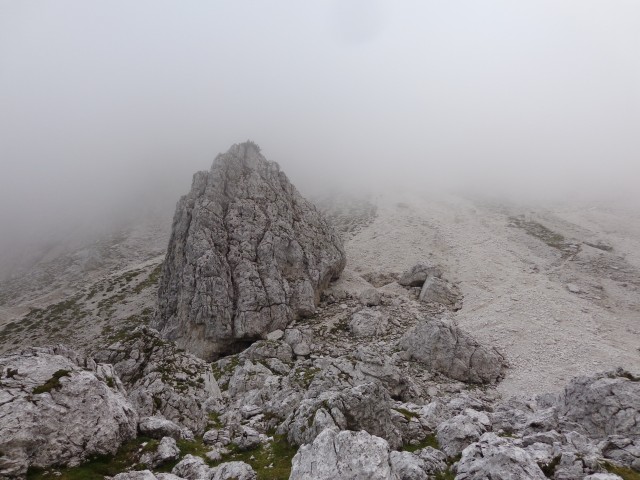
[159,427]
[455,434]
[342,455]
[247,255]
[496,457]
[369,323]
[603,404]
[406,466]
[137,475]
[438,290]
[369,297]
[418,274]
[57,408]
[162,379]
[363,407]
[167,451]
[446,349]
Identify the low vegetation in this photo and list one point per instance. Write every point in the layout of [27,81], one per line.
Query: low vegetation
[625,473]
[53,383]
[271,461]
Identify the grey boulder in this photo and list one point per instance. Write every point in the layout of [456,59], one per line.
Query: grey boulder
[163,380]
[343,455]
[57,408]
[369,323]
[167,451]
[455,434]
[497,458]
[448,350]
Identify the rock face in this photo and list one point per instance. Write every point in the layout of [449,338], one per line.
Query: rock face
[448,350]
[57,408]
[248,254]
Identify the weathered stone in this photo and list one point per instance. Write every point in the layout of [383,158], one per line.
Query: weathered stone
[57,408]
[162,379]
[369,297]
[137,475]
[496,457]
[455,434]
[604,404]
[275,335]
[159,427]
[438,290]
[369,323]
[345,455]
[622,450]
[247,438]
[363,407]
[167,451]
[418,274]
[248,255]
[434,460]
[448,350]
[406,466]
[233,471]
[602,476]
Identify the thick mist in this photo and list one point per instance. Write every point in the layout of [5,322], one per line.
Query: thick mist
[107,108]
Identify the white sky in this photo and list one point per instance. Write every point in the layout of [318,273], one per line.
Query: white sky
[103,103]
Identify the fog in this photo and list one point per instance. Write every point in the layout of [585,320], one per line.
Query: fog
[109,107]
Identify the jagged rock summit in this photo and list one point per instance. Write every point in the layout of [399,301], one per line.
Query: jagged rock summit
[248,255]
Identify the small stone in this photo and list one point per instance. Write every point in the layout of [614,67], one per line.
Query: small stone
[573,288]
[275,335]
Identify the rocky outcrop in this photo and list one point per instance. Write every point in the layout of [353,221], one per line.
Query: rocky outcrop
[167,451]
[438,290]
[349,455]
[604,404]
[364,407]
[446,349]
[58,408]
[496,457]
[248,254]
[162,379]
[345,455]
[458,432]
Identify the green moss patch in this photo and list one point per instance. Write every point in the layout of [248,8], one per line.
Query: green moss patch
[625,473]
[428,441]
[53,383]
[271,461]
[96,468]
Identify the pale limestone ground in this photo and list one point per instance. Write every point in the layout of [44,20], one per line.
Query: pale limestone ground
[515,286]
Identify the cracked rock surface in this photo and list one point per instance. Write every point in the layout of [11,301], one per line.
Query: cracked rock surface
[58,408]
[163,380]
[248,255]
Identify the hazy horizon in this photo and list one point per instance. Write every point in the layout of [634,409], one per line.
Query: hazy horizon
[112,106]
